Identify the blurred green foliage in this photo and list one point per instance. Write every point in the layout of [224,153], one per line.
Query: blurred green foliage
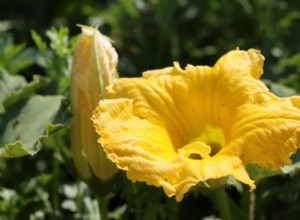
[152,34]
[56,57]
[148,34]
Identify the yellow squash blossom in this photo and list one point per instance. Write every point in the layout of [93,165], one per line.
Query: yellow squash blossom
[176,128]
[93,68]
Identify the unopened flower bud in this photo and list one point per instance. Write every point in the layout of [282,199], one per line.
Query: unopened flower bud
[93,68]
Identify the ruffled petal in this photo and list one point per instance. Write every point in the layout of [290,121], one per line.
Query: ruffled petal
[209,170]
[236,84]
[240,62]
[266,134]
[170,99]
[136,145]
[145,151]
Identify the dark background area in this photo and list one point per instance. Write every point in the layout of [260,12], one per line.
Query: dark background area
[152,34]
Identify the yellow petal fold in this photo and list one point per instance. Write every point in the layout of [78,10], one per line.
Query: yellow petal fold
[146,152]
[268,133]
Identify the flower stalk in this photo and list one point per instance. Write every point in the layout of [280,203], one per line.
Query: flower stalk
[223,204]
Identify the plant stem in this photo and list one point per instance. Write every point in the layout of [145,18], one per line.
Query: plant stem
[79,197]
[251,205]
[102,204]
[248,203]
[222,201]
[55,186]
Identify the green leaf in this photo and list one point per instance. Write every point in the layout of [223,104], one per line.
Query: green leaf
[58,135]
[56,58]
[23,124]
[42,46]
[15,57]
[257,173]
[9,84]
[24,59]
[14,88]
[26,91]
[280,90]
[294,167]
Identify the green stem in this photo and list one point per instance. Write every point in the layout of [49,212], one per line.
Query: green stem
[251,206]
[248,203]
[55,187]
[223,204]
[137,202]
[79,196]
[102,204]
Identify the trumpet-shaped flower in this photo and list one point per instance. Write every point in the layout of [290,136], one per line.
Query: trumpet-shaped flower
[175,128]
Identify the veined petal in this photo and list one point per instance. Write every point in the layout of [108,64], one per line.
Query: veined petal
[266,134]
[211,168]
[136,145]
[118,126]
[240,62]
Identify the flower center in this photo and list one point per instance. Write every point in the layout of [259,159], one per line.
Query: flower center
[207,144]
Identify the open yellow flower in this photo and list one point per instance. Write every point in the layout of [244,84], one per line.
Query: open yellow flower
[175,128]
